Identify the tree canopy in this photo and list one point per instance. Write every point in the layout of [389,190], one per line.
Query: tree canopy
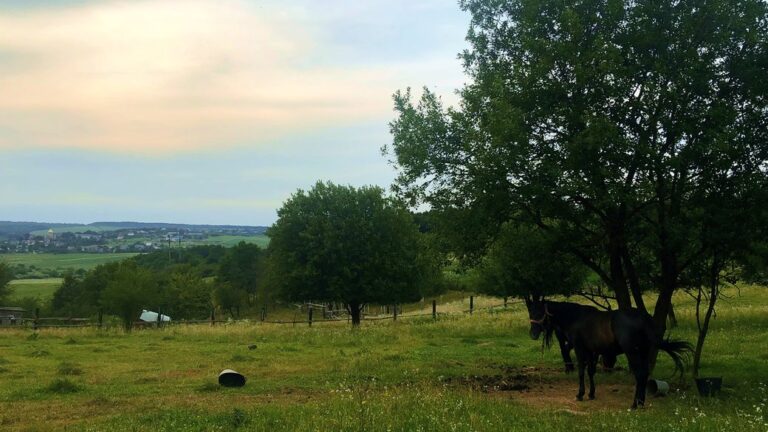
[6,276]
[130,290]
[524,262]
[242,267]
[349,245]
[605,123]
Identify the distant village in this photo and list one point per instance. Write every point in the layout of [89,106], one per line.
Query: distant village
[114,241]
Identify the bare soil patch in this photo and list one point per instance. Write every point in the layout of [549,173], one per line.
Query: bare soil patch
[549,388]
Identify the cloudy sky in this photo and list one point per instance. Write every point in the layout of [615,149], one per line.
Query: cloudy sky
[205,111]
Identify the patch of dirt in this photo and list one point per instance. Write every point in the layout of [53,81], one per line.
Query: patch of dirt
[550,389]
[561,395]
[492,383]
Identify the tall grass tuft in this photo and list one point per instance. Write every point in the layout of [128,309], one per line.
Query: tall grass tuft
[63,386]
[66,368]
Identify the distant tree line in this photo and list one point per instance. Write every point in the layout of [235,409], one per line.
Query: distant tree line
[334,244]
[185,284]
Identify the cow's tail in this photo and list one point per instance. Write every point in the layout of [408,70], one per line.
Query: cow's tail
[679,350]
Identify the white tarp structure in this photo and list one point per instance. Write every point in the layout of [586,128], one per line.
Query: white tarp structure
[149,316]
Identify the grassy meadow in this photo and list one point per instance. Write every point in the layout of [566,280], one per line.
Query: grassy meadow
[229,240]
[69,261]
[42,289]
[461,373]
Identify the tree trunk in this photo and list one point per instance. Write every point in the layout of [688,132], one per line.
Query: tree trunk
[127,322]
[354,312]
[619,282]
[664,302]
[672,317]
[704,327]
[703,332]
[634,281]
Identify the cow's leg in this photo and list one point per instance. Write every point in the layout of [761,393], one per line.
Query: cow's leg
[609,361]
[565,350]
[638,361]
[582,359]
[592,368]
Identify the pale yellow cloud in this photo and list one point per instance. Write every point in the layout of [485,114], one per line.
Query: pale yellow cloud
[170,75]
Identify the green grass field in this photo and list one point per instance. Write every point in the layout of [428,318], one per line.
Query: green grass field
[217,240]
[42,289]
[71,261]
[229,240]
[461,373]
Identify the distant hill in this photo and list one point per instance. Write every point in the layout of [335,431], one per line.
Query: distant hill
[13,229]
[20,229]
[174,226]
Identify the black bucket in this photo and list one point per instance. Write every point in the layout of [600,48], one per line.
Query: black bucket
[709,386]
[230,378]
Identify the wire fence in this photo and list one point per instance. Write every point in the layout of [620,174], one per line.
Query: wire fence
[38,322]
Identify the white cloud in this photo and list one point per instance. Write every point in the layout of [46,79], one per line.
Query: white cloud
[162,76]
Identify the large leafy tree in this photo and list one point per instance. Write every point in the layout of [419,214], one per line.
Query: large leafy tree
[349,245]
[81,297]
[242,267]
[187,296]
[603,122]
[65,298]
[229,298]
[525,262]
[129,290]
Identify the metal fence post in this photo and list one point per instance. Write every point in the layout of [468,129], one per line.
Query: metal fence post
[434,309]
[471,304]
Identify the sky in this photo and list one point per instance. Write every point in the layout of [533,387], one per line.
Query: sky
[206,111]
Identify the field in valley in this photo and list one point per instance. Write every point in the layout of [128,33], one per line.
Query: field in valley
[68,261]
[479,372]
[42,289]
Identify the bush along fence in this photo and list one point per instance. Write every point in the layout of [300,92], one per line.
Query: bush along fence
[393,313]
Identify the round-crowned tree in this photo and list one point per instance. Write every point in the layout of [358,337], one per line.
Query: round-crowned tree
[349,245]
[524,262]
[604,122]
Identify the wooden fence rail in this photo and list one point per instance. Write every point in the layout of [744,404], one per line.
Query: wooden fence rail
[70,322]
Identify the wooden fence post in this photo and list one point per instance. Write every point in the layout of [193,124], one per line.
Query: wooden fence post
[263,313]
[159,315]
[505,302]
[213,317]
[37,316]
[394,317]
[434,309]
[471,304]
[101,318]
